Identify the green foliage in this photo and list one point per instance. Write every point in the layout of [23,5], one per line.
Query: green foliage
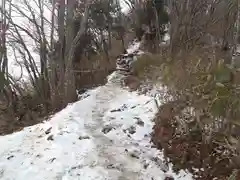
[233,175]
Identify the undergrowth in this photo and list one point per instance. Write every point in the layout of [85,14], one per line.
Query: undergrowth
[199,126]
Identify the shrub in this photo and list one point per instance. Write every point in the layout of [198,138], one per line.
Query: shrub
[203,124]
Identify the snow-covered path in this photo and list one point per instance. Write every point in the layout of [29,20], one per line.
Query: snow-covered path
[104,136]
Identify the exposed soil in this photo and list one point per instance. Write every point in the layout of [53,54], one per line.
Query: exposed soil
[204,161]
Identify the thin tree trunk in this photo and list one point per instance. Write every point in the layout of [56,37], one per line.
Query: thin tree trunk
[70,86]
[61,34]
[3,60]
[70,27]
[238,24]
[53,65]
[158,41]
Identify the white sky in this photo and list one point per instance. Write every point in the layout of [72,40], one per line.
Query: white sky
[124,6]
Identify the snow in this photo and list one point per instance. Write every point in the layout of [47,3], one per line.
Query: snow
[134,47]
[103,136]
[72,144]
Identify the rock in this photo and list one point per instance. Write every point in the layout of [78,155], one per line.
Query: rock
[139,122]
[131,129]
[83,137]
[51,160]
[122,108]
[145,165]
[110,166]
[134,155]
[10,157]
[50,138]
[83,96]
[116,110]
[160,163]
[136,144]
[146,135]
[133,107]
[48,130]
[114,166]
[39,155]
[107,129]
[77,167]
[82,91]
[169,178]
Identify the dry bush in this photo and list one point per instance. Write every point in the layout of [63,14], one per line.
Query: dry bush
[145,64]
[25,109]
[199,125]
[132,82]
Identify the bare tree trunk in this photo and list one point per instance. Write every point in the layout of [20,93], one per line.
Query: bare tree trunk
[236,59]
[238,23]
[3,53]
[43,58]
[70,29]
[70,86]
[61,17]
[109,30]
[158,41]
[109,36]
[61,35]
[229,29]
[53,64]
[57,96]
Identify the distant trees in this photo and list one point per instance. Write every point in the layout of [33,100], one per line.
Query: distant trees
[150,17]
[50,43]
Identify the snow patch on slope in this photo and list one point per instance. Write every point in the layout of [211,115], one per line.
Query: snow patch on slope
[106,135]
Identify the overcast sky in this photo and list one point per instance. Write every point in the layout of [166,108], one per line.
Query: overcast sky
[124,6]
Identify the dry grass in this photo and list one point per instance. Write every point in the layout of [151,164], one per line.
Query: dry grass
[210,89]
[146,65]
[25,110]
